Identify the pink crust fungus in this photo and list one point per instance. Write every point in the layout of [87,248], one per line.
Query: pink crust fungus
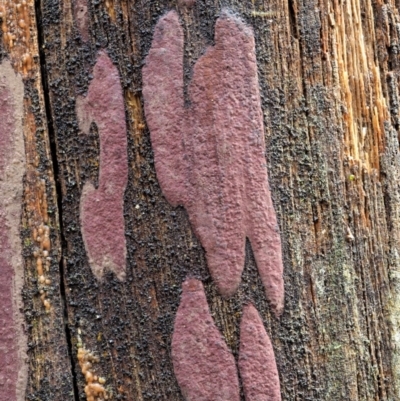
[257,364]
[209,157]
[82,18]
[203,365]
[101,214]
[13,362]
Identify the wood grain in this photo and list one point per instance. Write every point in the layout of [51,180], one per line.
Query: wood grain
[328,74]
[49,375]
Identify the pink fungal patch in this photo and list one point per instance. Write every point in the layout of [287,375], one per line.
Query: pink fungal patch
[82,18]
[102,218]
[257,364]
[7,123]
[13,364]
[203,365]
[209,157]
[8,345]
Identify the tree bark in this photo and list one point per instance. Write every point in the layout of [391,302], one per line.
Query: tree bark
[35,360]
[121,105]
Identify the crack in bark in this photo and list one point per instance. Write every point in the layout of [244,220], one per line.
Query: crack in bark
[55,169]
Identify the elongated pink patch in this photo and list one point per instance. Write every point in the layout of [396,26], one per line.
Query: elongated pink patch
[257,364]
[209,157]
[82,18]
[13,363]
[203,365]
[8,348]
[102,219]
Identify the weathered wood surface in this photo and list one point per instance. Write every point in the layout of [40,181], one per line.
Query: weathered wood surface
[35,362]
[328,73]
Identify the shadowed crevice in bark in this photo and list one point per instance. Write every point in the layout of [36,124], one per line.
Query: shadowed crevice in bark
[53,149]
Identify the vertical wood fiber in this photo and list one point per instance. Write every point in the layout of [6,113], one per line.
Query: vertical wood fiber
[329,75]
[48,367]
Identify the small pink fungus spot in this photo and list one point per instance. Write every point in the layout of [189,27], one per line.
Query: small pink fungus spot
[101,214]
[82,18]
[257,364]
[209,156]
[204,367]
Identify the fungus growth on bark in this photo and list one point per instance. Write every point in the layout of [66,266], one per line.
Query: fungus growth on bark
[101,214]
[209,156]
[257,364]
[81,16]
[13,364]
[203,364]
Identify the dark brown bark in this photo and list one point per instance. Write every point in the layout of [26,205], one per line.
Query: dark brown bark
[328,73]
[35,361]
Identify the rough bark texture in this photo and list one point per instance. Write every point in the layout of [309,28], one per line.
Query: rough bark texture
[328,75]
[35,362]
